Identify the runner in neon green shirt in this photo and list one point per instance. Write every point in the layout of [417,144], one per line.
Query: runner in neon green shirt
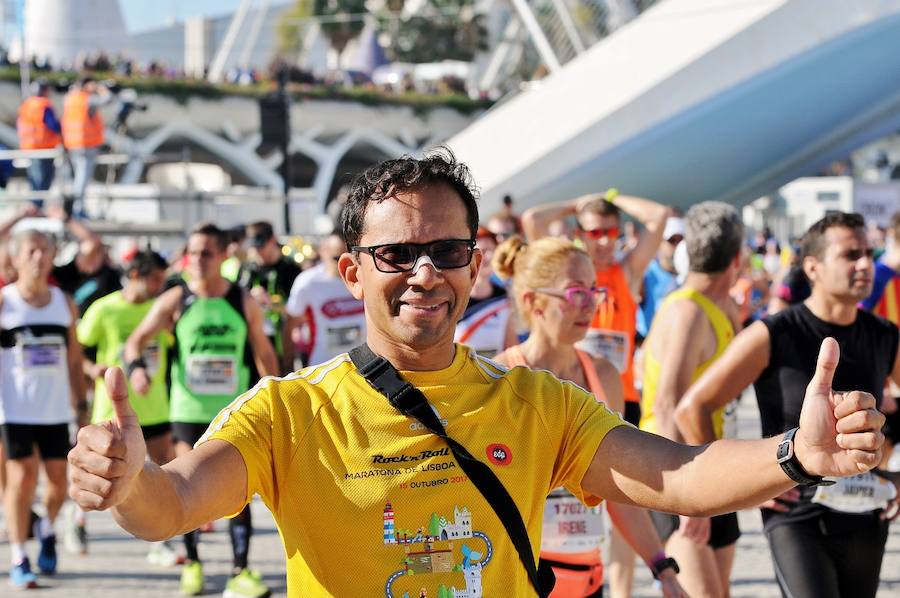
[106,325]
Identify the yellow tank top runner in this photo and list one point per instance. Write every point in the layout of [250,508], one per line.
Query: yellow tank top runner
[724,333]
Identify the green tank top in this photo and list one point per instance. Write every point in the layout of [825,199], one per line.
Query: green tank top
[211,361]
[106,325]
[652,366]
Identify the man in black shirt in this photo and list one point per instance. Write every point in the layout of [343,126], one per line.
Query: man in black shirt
[268,275]
[825,542]
[88,276]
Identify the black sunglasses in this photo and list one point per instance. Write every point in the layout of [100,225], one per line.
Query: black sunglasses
[402,257]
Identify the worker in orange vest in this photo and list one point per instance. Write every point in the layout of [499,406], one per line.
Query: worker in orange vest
[39,129]
[83,133]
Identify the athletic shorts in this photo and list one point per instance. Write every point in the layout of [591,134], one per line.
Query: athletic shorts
[156,430]
[188,432]
[52,440]
[723,529]
[632,413]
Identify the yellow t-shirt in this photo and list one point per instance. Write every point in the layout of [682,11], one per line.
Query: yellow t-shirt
[368,503]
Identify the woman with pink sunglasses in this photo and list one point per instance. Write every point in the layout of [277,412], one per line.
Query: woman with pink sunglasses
[554,289]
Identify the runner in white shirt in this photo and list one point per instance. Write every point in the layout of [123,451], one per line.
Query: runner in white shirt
[320,300]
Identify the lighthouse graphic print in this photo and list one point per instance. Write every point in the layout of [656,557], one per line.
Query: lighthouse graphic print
[442,557]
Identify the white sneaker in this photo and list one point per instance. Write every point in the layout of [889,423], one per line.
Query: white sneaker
[75,535]
[162,555]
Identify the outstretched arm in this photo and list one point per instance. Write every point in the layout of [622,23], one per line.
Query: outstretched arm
[840,435]
[108,470]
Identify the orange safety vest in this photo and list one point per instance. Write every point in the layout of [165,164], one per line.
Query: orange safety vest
[79,128]
[33,133]
[618,312]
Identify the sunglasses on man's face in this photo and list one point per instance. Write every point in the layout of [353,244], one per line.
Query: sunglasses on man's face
[610,232]
[402,257]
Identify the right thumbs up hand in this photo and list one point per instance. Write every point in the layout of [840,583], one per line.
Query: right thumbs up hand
[108,457]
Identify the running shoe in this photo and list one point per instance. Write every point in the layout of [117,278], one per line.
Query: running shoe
[162,555]
[246,584]
[47,556]
[21,577]
[192,579]
[75,536]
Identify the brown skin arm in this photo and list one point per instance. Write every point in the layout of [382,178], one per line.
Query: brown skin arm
[895,374]
[536,221]
[263,353]
[742,363]
[205,484]
[652,216]
[681,338]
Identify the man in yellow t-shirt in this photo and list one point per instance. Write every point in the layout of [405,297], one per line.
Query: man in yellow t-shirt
[368,503]
[692,330]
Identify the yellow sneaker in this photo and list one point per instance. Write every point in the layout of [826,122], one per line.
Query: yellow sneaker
[192,579]
[246,584]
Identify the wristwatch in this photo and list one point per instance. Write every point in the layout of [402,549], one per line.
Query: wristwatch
[660,565]
[791,466]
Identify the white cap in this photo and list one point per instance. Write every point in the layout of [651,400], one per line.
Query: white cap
[674,226]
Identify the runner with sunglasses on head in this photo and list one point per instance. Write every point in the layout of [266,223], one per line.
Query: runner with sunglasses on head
[614,326]
[553,282]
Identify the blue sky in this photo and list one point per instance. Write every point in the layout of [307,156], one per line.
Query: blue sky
[144,14]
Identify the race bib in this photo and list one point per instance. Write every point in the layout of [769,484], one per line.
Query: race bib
[615,346]
[341,338]
[41,354]
[569,526]
[857,494]
[212,375]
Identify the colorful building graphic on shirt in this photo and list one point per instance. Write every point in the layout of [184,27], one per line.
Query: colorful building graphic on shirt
[436,554]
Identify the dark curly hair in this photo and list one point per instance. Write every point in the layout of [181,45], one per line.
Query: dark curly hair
[384,180]
[813,241]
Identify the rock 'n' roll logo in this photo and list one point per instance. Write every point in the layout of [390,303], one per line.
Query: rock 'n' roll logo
[499,454]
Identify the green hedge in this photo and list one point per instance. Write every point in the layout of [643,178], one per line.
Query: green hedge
[183,90]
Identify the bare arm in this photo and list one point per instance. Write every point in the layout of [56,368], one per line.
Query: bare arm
[677,341]
[895,374]
[26,211]
[205,484]
[742,363]
[653,216]
[160,317]
[611,382]
[263,353]
[536,221]
[637,529]
[75,360]
[839,435]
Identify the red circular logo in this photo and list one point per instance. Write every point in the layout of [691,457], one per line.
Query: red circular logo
[499,454]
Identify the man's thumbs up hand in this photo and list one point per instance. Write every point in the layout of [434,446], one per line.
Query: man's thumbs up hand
[108,456]
[840,433]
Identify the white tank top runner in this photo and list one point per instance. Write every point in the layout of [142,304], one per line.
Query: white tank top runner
[34,373]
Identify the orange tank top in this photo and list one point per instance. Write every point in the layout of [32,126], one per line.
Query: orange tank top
[516,357]
[616,321]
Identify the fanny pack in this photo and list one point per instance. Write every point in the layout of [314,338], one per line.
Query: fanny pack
[410,401]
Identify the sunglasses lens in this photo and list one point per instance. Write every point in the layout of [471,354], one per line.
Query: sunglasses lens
[451,254]
[397,257]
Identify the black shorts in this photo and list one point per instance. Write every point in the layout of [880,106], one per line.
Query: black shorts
[52,440]
[723,529]
[188,432]
[632,413]
[156,430]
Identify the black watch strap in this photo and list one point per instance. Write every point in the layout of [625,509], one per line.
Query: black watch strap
[791,466]
[662,564]
[133,365]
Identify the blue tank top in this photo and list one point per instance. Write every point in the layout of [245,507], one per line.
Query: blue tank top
[658,282]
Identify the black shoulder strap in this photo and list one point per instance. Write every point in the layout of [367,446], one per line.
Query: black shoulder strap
[410,401]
